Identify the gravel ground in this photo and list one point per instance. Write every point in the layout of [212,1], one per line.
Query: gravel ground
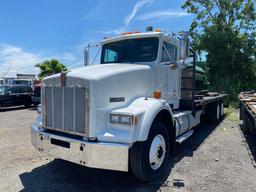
[215,158]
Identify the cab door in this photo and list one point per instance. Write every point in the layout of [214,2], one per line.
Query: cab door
[26,95]
[11,97]
[170,74]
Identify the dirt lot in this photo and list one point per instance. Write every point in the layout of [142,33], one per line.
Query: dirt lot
[215,158]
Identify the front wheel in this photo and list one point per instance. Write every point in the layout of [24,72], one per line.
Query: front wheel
[149,159]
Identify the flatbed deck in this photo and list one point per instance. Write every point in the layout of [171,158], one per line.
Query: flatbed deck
[209,99]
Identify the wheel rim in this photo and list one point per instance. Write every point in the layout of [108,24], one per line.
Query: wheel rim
[222,109]
[157,152]
[218,112]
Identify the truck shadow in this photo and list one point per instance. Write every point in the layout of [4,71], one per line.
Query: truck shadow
[250,142]
[16,108]
[201,133]
[59,175]
[6,109]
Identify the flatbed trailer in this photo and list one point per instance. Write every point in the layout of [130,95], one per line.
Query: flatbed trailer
[248,111]
[209,99]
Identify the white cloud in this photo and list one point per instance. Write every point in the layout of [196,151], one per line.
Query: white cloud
[16,59]
[128,19]
[93,12]
[162,14]
[116,31]
[65,56]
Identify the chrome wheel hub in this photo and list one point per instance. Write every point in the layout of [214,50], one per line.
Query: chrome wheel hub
[157,152]
[218,111]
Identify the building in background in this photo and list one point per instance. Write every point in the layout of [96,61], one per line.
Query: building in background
[26,76]
[11,78]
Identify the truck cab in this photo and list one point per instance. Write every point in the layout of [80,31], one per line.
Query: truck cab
[126,111]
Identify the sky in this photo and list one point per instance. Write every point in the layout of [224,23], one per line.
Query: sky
[34,31]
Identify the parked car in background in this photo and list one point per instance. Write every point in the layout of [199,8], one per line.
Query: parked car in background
[2,89]
[36,96]
[1,81]
[15,95]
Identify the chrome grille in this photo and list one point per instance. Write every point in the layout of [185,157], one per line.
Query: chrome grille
[67,109]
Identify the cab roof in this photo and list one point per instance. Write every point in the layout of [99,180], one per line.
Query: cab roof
[132,35]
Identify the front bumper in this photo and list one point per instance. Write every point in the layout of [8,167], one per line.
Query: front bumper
[101,155]
[36,100]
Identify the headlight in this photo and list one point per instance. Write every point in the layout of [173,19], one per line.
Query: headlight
[125,119]
[114,118]
[121,119]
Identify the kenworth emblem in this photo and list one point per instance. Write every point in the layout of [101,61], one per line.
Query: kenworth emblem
[63,78]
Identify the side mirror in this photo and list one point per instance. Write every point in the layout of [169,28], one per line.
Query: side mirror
[184,62]
[8,93]
[86,56]
[185,44]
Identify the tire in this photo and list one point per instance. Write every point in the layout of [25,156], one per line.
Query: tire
[27,105]
[249,126]
[142,156]
[246,123]
[1,107]
[214,113]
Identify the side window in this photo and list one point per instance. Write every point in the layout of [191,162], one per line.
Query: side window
[110,56]
[25,89]
[13,90]
[169,52]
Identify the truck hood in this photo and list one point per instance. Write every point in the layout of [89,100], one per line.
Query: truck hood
[100,71]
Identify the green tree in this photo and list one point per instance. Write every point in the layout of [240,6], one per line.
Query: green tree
[225,29]
[50,67]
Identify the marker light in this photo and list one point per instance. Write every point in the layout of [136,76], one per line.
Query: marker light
[135,120]
[157,94]
[127,33]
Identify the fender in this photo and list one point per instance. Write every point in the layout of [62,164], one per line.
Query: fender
[146,110]
[152,107]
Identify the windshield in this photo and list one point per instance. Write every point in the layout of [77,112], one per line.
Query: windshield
[130,50]
[20,82]
[3,89]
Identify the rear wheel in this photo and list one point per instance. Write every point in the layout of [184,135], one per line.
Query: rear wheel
[221,110]
[149,159]
[214,112]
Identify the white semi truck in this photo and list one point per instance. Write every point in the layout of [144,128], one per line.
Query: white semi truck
[128,112]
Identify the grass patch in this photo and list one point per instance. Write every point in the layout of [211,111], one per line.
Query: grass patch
[231,114]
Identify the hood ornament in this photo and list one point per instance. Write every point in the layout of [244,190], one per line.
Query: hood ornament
[63,78]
